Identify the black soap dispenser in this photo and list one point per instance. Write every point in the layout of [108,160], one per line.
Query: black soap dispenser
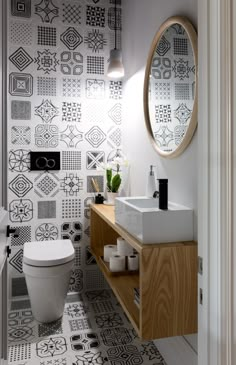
[163,194]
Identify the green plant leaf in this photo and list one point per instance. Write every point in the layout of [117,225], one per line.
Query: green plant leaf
[115,184]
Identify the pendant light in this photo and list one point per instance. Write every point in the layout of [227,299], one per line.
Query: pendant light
[115,68]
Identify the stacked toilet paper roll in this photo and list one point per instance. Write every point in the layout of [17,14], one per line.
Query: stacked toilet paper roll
[123,248]
[117,263]
[133,262]
[108,250]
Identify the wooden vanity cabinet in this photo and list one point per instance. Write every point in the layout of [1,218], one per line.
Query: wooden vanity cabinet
[167,280]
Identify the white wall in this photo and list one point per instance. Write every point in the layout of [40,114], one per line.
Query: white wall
[141,20]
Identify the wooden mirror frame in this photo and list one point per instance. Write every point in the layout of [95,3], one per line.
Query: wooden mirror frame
[191,32]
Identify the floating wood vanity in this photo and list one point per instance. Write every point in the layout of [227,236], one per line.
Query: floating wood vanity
[167,280]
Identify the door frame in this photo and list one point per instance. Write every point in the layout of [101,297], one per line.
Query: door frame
[217,80]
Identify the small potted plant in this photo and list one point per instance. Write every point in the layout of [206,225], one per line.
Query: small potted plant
[113,178]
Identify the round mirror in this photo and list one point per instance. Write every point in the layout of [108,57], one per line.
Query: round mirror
[170,87]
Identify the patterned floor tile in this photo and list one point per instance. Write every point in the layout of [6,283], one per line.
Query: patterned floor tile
[93,330]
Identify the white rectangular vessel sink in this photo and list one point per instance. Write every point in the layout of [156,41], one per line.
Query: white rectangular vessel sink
[141,217]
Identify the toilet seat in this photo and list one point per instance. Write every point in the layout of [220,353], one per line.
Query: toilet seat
[48,253]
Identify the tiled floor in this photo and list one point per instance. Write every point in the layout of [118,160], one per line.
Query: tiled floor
[93,331]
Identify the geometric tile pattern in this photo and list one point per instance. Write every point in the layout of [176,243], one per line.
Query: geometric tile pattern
[71,208]
[95,65]
[46,232]
[46,61]
[95,40]
[20,185]
[21,33]
[46,136]
[21,8]
[20,135]
[181,46]
[46,86]
[163,91]
[77,339]
[20,59]
[72,231]
[46,111]
[46,185]
[21,210]
[60,99]
[182,91]
[71,160]
[47,36]
[71,13]
[163,46]
[46,10]
[71,112]
[71,88]
[71,38]
[182,113]
[163,113]
[95,16]
[71,63]
[20,84]
[115,113]
[71,136]
[95,136]
[71,184]
[115,88]
[19,160]
[76,281]
[24,236]
[16,261]
[84,342]
[94,159]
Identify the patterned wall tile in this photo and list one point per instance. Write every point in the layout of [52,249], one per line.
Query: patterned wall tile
[21,33]
[46,10]
[46,232]
[71,13]
[21,8]
[24,235]
[46,185]
[20,84]
[95,40]
[20,185]
[20,110]
[71,63]
[71,38]
[71,208]
[71,88]
[46,61]
[21,59]
[20,135]
[61,99]
[71,160]
[47,36]
[95,16]
[47,209]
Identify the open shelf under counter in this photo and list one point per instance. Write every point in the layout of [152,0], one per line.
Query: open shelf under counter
[167,280]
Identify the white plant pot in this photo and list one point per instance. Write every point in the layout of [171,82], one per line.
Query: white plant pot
[111,198]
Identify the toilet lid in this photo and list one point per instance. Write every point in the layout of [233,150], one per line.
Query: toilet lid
[48,253]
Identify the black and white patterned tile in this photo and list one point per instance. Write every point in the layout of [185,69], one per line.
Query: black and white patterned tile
[93,330]
[60,98]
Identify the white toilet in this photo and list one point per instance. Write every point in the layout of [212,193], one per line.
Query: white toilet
[47,267]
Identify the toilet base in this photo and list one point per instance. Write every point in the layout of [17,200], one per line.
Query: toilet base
[48,293]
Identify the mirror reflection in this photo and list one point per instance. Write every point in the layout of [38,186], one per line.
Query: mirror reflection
[171,89]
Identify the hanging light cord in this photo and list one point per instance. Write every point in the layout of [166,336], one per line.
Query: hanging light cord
[115,24]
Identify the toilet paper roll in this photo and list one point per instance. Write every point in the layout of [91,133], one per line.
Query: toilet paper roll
[123,248]
[133,262]
[108,249]
[114,253]
[117,263]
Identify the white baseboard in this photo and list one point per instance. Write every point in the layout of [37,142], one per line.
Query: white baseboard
[178,350]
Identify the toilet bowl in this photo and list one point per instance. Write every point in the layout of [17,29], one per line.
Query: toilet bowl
[47,267]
